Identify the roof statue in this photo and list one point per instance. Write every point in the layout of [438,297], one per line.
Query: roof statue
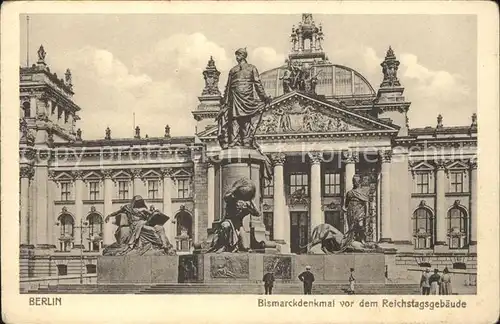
[211,76]
[41,55]
[390,70]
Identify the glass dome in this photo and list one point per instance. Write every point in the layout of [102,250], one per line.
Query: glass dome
[334,81]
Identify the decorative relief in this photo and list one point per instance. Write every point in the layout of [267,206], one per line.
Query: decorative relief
[231,266]
[77,175]
[167,172]
[350,157]
[315,157]
[136,173]
[278,158]
[280,266]
[473,163]
[108,174]
[385,156]
[440,164]
[26,171]
[295,118]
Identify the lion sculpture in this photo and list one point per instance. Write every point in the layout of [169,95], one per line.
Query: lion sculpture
[334,241]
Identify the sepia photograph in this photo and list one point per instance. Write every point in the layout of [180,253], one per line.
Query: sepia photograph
[273,153]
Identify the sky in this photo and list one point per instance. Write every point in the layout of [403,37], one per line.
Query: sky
[152,64]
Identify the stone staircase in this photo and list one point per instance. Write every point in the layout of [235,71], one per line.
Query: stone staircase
[227,288]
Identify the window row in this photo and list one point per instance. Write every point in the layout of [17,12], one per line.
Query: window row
[299,183]
[457,228]
[124,189]
[424,182]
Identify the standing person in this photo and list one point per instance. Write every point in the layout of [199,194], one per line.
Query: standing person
[445,287]
[268,282]
[307,278]
[425,286]
[434,281]
[352,281]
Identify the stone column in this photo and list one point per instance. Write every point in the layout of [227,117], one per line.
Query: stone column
[316,212]
[211,194]
[108,228]
[136,175]
[279,215]
[167,204]
[385,159]
[350,159]
[79,187]
[40,213]
[440,205]
[51,217]
[473,206]
[26,173]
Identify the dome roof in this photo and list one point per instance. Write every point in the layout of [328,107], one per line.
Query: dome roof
[334,81]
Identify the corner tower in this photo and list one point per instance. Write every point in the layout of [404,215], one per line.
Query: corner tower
[390,102]
[210,98]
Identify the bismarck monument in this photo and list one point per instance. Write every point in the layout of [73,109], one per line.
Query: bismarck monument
[237,248]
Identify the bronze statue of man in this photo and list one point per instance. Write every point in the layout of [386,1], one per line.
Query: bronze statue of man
[241,111]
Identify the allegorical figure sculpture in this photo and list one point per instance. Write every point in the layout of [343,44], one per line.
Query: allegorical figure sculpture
[355,204]
[241,111]
[333,240]
[239,204]
[140,230]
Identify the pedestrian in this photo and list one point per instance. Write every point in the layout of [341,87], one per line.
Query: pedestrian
[268,282]
[445,287]
[434,281]
[425,286]
[307,278]
[352,281]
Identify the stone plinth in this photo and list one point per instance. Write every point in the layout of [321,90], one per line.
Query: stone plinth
[137,269]
[232,165]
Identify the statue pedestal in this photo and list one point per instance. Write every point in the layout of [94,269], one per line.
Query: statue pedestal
[234,164]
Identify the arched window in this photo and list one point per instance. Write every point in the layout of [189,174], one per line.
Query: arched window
[95,231]
[457,227]
[422,228]
[95,224]
[27,109]
[184,223]
[67,225]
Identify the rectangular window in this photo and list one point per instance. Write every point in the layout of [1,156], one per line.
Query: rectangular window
[331,184]
[153,189]
[65,191]
[269,188]
[422,179]
[299,182]
[123,189]
[456,182]
[94,190]
[182,188]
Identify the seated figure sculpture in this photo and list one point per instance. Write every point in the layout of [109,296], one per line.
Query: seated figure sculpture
[228,237]
[140,231]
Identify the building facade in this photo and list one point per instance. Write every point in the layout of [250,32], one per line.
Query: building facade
[422,182]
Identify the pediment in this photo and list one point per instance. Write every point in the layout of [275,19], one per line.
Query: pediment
[122,175]
[299,113]
[151,174]
[457,165]
[422,166]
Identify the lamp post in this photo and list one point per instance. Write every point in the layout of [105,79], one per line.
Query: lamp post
[83,225]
